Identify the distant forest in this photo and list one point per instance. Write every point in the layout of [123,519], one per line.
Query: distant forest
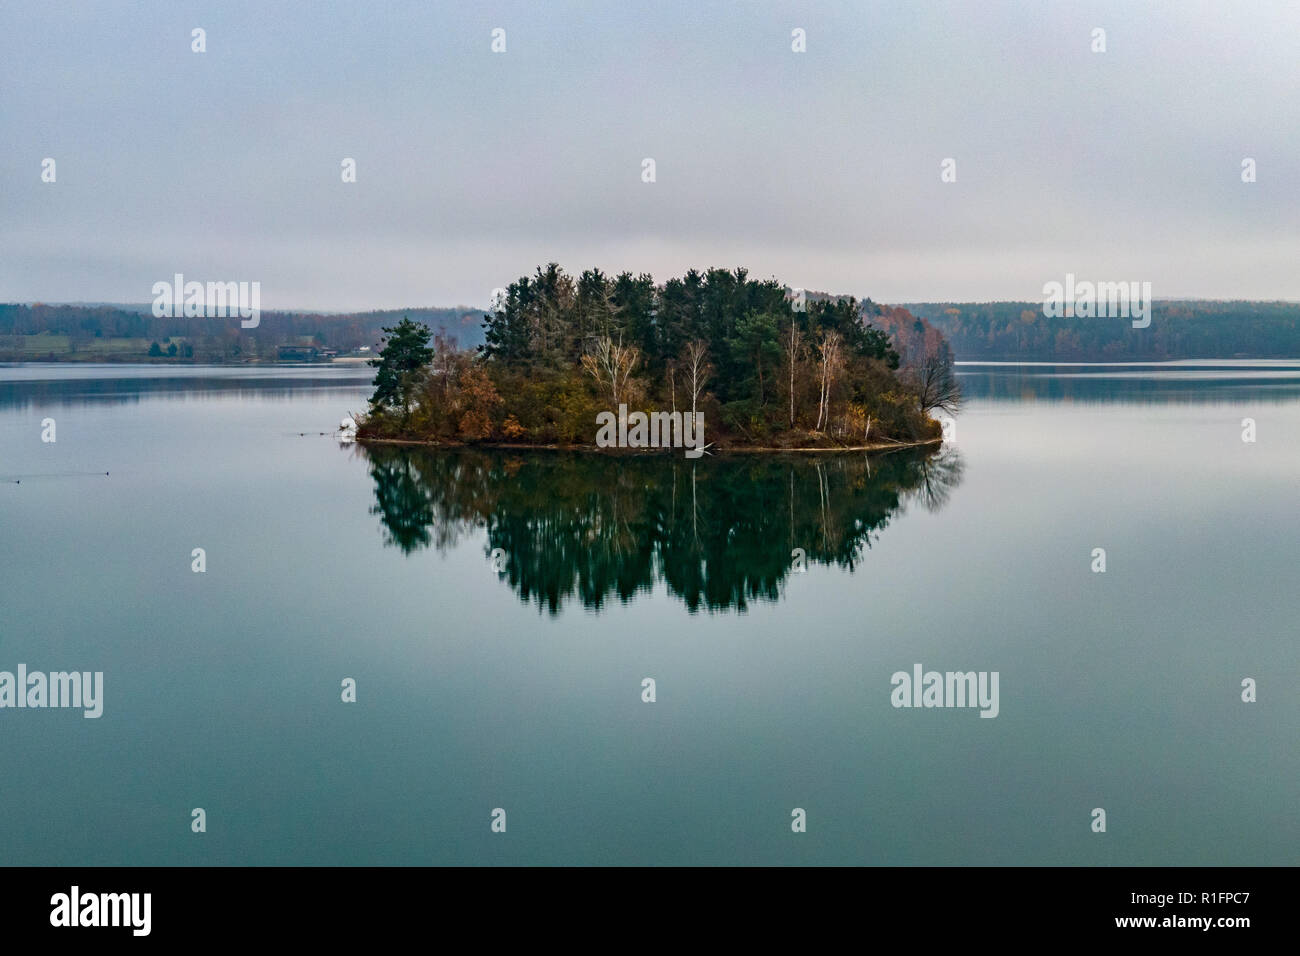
[1018,331]
[126,333]
[991,331]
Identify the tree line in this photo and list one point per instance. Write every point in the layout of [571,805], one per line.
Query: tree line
[1010,331]
[90,329]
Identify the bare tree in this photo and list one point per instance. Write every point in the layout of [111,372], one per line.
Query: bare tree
[611,364]
[445,355]
[935,381]
[830,351]
[695,357]
[792,350]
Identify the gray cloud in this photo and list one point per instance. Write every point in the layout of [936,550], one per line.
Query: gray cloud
[820,168]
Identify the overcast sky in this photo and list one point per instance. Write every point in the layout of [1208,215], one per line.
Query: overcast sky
[819,168]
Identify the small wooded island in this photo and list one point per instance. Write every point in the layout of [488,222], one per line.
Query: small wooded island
[576,362]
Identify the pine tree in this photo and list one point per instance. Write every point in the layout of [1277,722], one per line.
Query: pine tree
[401,362]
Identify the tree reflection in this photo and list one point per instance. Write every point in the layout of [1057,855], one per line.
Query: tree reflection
[718,533]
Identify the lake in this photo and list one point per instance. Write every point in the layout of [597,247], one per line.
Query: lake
[499,612]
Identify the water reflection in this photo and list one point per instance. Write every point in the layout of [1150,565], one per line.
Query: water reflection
[718,533]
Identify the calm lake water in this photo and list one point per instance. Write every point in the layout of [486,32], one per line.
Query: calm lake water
[499,612]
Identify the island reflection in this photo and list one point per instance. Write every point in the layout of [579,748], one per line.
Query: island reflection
[718,532]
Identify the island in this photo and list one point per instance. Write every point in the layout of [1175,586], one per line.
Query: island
[624,362]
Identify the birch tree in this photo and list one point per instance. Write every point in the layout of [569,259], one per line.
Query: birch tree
[611,364]
[830,353]
[695,360]
[793,347]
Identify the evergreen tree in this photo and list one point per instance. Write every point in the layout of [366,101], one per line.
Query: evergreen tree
[401,363]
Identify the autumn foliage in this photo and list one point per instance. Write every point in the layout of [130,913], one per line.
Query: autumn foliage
[766,367]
